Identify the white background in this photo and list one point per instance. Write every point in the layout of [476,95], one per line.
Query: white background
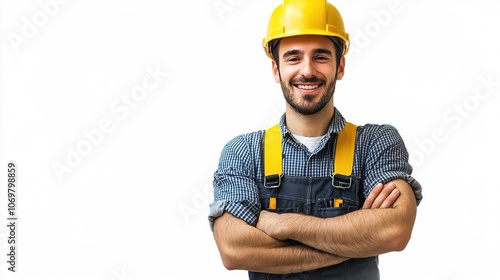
[133,202]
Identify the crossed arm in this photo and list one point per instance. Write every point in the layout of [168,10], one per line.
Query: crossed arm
[383,225]
[363,233]
[245,247]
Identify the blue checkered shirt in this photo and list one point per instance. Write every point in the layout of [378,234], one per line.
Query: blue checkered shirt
[380,156]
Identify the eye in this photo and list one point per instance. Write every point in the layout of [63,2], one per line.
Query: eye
[322,58]
[293,60]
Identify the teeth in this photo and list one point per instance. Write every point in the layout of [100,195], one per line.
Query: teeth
[308,86]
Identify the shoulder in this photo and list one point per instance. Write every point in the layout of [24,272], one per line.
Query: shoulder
[244,141]
[374,133]
[242,147]
[378,139]
[377,129]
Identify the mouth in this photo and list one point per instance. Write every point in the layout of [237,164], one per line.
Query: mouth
[307,86]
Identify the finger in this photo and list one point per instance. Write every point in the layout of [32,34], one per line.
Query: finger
[263,213]
[386,191]
[372,196]
[391,198]
[261,220]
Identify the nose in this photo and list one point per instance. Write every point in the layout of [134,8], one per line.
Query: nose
[307,68]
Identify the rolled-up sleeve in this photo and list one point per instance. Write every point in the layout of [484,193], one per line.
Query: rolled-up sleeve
[388,160]
[235,190]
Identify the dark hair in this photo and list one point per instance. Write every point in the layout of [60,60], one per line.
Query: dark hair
[338,45]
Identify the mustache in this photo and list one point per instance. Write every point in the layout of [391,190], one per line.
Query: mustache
[307,80]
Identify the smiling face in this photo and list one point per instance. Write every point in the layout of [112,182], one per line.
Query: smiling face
[308,72]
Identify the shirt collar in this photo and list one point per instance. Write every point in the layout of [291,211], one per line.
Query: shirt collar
[337,124]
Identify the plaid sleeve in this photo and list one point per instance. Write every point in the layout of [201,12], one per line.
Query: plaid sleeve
[387,159]
[235,190]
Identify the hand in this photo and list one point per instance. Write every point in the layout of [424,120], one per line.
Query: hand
[272,224]
[382,196]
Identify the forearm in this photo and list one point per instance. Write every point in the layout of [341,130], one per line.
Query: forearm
[359,234]
[362,233]
[244,247]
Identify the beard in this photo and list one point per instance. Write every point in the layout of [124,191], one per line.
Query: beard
[306,105]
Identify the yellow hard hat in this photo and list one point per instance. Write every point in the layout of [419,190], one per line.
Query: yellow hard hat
[305,17]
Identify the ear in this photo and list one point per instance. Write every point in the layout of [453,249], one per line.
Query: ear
[341,68]
[276,71]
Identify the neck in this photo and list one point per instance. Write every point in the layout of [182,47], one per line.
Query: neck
[309,125]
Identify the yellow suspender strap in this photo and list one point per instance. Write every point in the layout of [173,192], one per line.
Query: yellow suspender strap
[344,152]
[273,164]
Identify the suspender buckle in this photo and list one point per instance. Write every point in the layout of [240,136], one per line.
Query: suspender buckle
[272,181]
[341,181]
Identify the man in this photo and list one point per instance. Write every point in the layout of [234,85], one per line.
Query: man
[314,197]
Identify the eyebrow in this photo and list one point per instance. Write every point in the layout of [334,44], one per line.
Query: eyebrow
[315,51]
[292,52]
[322,51]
